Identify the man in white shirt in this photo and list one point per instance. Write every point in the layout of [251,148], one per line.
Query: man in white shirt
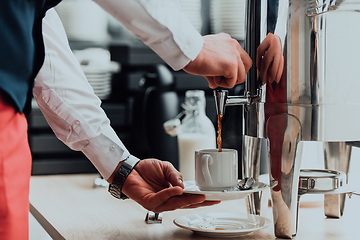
[73,111]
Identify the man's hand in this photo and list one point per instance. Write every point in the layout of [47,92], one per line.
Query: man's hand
[222,61]
[158,187]
[270,59]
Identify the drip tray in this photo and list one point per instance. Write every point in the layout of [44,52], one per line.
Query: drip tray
[321,181]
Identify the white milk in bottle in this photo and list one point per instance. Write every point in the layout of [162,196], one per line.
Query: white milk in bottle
[188,144]
[196,132]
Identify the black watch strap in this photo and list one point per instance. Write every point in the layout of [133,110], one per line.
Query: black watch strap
[126,167]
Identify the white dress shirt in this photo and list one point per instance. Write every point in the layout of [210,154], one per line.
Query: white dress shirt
[67,100]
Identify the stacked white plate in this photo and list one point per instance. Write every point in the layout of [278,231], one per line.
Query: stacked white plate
[228,16]
[192,9]
[83,20]
[98,69]
[222,225]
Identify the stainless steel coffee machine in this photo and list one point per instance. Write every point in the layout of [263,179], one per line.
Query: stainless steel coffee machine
[317,99]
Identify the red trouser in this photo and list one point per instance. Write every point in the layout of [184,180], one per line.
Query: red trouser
[15,171]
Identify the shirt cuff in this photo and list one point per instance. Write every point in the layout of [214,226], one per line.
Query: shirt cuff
[105,154]
[178,58]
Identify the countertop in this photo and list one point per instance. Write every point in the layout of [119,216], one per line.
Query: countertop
[68,207]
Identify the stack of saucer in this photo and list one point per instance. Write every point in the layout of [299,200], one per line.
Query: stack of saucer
[228,16]
[98,69]
[83,20]
[192,9]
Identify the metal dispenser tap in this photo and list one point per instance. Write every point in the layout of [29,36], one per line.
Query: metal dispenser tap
[317,98]
[222,99]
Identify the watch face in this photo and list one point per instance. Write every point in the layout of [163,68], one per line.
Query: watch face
[116,192]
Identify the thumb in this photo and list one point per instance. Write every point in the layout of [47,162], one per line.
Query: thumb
[172,175]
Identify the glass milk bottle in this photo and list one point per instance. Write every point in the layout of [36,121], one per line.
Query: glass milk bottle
[196,132]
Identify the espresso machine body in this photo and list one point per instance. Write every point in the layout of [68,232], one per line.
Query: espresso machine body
[321,78]
[317,98]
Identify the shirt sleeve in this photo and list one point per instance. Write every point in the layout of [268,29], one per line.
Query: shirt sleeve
[69,104]
[161,25]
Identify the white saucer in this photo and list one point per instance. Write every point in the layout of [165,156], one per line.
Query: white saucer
[191,188]
[224,225]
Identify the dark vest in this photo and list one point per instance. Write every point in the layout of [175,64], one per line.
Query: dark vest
[21,48]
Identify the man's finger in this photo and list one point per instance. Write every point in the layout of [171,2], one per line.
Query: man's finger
[265,64]
[241,73]
[180,202]
[203,204]
[280,70]
[211,82]
[172,175]
[261,50]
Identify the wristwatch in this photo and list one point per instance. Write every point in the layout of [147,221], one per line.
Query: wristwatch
[126,167]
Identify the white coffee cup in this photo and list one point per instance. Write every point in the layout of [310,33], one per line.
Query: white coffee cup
[216,171]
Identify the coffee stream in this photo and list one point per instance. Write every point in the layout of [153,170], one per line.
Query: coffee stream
[218,140]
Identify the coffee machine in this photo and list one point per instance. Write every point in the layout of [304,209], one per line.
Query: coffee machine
[316,99]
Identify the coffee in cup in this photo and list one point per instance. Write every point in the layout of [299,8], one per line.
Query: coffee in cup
[216,171]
